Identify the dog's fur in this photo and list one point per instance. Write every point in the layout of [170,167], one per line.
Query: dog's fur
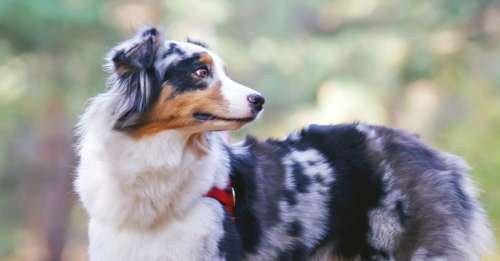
[149,152]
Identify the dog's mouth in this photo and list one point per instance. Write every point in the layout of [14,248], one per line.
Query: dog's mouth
[201,116]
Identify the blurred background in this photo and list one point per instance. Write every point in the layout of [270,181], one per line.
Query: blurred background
[432,67]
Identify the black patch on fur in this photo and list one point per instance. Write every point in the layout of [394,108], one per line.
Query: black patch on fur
[319,179]
[311,163]
[150,31]
[400,209]
[295,229]
[356,190]
[242,174]
[230,245]
[380,255]
[302,181]
[290,197]
[174,49]
[180,75]
[268,161]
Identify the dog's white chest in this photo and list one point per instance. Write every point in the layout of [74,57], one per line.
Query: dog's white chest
[193,237]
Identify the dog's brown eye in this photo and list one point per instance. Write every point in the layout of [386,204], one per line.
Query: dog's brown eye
[202,73]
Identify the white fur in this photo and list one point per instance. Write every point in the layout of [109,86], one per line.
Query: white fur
[386,229]
[234,93]
[145,197]
[311,208]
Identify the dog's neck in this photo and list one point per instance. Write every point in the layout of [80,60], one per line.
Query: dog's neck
[146,181]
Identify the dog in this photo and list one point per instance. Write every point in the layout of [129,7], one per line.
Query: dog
[160,182]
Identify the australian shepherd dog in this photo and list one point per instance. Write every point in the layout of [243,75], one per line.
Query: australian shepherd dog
[160,182]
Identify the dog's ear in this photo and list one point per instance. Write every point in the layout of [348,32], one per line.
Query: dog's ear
[134,77]
[135,54]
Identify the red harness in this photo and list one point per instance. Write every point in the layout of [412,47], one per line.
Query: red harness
[225,196]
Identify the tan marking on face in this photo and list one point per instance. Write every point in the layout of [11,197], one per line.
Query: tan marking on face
[206,59]
[177,112]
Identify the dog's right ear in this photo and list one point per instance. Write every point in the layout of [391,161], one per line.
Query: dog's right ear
[135,54]
[131,64]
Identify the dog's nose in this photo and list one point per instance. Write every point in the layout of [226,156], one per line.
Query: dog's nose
[256,101]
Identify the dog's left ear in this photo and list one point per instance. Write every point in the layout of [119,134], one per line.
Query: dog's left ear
[135,54]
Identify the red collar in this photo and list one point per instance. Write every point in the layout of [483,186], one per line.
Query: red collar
[225,196]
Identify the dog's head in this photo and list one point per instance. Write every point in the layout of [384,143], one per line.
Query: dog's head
[167,85]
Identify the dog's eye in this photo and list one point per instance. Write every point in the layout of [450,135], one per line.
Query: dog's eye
[202,73]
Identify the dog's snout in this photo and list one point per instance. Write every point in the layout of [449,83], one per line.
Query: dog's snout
[256,101]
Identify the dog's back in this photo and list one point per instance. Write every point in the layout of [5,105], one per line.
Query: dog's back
[356,191]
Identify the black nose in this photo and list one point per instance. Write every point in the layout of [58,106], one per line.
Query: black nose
[256,101]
